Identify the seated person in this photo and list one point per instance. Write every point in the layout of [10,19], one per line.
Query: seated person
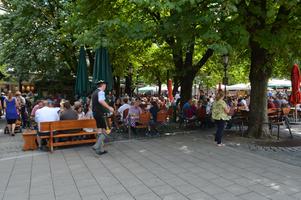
[201,114]
[45,114]
[68,114]
[271,104]
[154,112]
[189,110]
[133,115]
[122,108]
[80,112]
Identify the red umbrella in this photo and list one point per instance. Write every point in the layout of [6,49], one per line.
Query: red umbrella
[169,88]
[295,97]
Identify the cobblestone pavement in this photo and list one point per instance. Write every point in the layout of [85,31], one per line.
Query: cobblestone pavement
[288,154]
[185,166]
[178,167]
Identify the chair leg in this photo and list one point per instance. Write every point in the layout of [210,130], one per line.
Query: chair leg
[242,129]
[286,121]
[129,131]
[278,129]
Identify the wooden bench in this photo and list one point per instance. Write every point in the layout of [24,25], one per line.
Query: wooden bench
[54,129]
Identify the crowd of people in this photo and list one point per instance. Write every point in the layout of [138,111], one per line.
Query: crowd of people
[207,109]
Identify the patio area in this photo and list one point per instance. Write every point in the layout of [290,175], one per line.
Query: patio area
[185,166]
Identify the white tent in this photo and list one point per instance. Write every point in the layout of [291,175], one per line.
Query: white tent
[152,89]
[279,83]
[240,86]
[273,83]
[236,87]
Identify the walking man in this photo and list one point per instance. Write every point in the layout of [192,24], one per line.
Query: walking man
[99,108]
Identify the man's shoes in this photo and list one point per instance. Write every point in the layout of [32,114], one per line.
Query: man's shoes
[101,152]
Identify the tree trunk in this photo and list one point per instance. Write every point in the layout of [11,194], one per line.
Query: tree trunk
[259,75]
[160,87]
[186,85]
[175,86]
[117,86]
[128,86]
[20,85]
[91,55]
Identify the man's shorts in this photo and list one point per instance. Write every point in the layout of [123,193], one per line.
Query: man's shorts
[43,133]
[48,133]
[100,121]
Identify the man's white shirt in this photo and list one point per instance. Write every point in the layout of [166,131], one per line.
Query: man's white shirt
[47,114]
[122,109]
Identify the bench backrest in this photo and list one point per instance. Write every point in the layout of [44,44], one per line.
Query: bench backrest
[144,118]
[67,125]
[286,111]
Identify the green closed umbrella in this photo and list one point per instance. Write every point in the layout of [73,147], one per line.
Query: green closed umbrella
[81,84]
[102,69]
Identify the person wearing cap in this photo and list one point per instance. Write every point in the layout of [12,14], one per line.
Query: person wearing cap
[99,108]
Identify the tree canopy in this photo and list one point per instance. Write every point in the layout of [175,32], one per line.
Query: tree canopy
[181,39]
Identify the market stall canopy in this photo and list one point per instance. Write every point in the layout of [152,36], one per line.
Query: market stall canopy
[278,83]
[236,87]
[152,89]
[273,83]
[240,86]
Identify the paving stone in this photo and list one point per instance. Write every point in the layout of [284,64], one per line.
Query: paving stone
[174,196]
[153,182]
[121,196]
[162,190]
[99,196]
[86,191]
[237,189]
[221,182]
[138,190]
[252,196]
[281,196]
[213,189]
[297,195]
[178,167]
[226,196]
[261,189]
[200,196]
[68,196]
[187,189]
[148,196]
[49,196]
[130,182]
[114,189]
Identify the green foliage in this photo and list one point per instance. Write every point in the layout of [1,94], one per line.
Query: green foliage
[276,28]
[154,64]
[154,36]
[33,38]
